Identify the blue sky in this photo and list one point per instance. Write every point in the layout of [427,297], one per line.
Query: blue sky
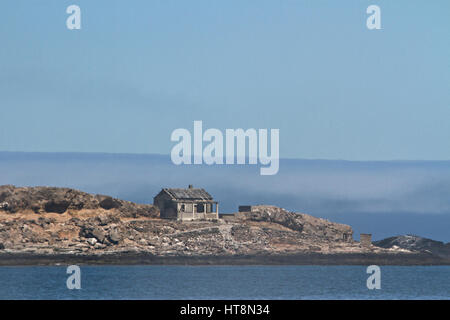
[138,70]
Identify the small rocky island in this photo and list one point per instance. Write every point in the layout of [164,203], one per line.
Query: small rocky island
[48,225]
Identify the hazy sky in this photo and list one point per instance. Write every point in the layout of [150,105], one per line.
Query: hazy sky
[138,70]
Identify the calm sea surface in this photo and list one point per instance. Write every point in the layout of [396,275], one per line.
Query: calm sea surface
[225,282]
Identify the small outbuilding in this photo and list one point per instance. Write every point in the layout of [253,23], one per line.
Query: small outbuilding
[365,240]
[186,204]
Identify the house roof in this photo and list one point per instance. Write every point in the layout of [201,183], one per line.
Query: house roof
[188,194]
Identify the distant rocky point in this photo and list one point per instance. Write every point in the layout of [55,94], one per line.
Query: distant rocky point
[415,244]
[47,225]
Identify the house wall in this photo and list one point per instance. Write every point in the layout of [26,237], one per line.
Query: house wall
[167,207]
[189,215]
[185,216]
[189,207]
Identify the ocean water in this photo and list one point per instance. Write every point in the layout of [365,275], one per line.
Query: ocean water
[225,282]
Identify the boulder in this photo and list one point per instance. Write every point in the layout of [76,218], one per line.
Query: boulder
[109,203]
[92,241]
[114,236]
[104,219]
[99,234]
[56,206]
[89,232]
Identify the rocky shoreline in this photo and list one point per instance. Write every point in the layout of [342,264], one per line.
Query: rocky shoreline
[400,259]
[48,226]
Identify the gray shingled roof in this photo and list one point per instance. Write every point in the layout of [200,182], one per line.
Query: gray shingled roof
[188,194]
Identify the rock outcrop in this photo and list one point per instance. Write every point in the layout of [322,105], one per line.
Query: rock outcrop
[52,221]
[60,200]
[307,225]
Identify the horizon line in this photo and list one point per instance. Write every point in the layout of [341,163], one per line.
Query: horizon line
[168,155]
